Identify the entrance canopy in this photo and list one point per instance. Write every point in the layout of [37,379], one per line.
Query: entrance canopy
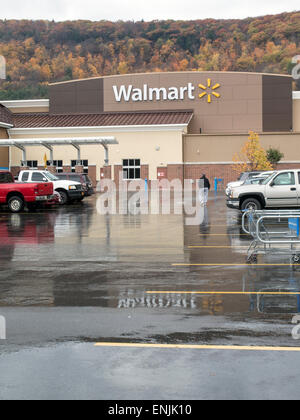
[48,143]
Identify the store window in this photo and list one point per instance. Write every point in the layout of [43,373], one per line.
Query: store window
[131,169]
[84,163]
[58,164]
[32,164]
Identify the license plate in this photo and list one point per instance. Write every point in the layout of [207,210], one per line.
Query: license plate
[42,198]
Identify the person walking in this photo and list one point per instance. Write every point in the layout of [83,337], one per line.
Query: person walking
[204,186]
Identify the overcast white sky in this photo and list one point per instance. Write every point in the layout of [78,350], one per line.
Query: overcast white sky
[60,10]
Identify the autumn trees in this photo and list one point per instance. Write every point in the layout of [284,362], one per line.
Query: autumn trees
[38,52]
[253,157]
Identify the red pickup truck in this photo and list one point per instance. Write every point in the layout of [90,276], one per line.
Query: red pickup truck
[16,195]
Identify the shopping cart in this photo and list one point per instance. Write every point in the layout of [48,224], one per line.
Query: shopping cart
[274,232]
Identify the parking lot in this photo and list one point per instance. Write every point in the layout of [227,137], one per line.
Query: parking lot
[91,302]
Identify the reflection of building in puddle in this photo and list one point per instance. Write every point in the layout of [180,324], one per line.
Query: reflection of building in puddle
[274,291]
[258,290]
[284,304]
[73,222]
[213,304]
[237,236]
[21,229]
[158,301]
[132,221]
[205,227]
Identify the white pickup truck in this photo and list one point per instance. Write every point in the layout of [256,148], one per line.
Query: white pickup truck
[68,190]
[279,190]
[244,177]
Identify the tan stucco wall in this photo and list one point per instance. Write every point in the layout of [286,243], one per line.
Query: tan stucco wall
[238,108]
[214,148]
[4,151]
[296,115]
[132,145]
[29,110]
[222,102]
[3,133]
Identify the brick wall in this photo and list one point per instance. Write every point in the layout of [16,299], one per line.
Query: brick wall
[223,171]
[52,169]
[106,172]
[192,171]
[117,170]
[15,170]
[93,175]
[282,166]
[162,172]
[145,172]
[79,169]
[175,172]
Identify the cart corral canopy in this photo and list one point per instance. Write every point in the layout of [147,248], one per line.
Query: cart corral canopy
[76,142]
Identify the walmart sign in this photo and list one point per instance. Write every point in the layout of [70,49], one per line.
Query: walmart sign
[146,93]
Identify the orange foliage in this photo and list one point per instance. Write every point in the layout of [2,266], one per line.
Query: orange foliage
[252,156]
[41,51]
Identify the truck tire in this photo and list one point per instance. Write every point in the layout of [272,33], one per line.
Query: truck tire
[251,204]
[64,198]
[16,204]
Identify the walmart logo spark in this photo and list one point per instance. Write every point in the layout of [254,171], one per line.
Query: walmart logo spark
[209,91]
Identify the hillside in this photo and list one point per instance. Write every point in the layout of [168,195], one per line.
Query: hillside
[38,52]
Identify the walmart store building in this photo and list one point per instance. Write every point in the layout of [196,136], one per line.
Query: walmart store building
[166,125]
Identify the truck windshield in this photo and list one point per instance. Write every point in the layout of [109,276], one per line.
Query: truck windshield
[266,181]
[50,176]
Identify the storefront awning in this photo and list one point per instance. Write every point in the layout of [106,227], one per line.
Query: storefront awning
[48,143]
[79,141]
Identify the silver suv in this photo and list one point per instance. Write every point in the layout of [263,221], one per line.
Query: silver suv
[245,177]
[279,190]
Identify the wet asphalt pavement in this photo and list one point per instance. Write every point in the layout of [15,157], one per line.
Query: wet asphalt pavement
[70,278]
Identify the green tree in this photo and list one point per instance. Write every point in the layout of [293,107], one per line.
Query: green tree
[274,156]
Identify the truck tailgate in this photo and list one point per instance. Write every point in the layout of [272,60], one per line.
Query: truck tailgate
[45,188]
